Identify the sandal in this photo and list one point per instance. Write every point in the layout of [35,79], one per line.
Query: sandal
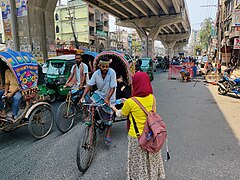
[108,141]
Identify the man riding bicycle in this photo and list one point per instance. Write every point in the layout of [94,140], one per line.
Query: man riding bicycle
[105,80]
[79,75]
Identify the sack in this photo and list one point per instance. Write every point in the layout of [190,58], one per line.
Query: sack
[154,133]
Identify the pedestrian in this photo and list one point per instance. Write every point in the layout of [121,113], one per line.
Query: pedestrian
[219,67]
[141,164]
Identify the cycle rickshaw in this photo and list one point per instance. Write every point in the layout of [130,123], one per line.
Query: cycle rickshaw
[88,138]
[67,111]
[33,111]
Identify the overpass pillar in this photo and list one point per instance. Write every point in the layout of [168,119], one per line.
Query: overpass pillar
[169,48]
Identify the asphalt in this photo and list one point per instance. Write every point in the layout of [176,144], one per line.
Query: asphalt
[201,142]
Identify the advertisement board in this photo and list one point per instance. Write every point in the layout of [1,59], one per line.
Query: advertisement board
[236,17]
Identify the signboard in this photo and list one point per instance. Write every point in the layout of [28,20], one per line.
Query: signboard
[236,44]
[236,17]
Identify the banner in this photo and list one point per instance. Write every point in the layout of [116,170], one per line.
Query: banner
[174,71]
[236,17]
[236,44]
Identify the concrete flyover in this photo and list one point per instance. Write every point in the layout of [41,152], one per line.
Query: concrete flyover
[164,20]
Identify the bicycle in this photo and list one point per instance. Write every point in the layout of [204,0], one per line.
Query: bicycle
[67,111]
[87,142]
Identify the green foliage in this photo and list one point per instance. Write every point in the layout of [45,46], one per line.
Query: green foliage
[205,32]
[197,50]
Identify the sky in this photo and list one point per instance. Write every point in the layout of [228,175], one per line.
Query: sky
[196,13]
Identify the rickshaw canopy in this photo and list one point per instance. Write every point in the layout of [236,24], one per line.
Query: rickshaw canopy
[24,67]
[90,53]
[119,63]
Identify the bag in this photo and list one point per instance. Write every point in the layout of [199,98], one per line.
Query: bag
[154,133]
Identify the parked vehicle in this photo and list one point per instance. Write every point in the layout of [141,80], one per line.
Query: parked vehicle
[33,111]
[227,85]
[147,66]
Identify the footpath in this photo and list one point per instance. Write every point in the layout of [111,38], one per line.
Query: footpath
[229,105]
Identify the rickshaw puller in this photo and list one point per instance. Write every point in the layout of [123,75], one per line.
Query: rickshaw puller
[11,91]
[106,82]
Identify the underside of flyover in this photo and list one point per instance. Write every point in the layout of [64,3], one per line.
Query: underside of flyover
[164,20]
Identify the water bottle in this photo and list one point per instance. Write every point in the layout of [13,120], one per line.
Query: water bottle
[149,135]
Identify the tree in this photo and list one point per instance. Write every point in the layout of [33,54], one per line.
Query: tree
[198,50]
[205,32]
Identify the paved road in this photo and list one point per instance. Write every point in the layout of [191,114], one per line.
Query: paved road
[202,143]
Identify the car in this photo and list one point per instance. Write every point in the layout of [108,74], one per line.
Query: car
[147,66]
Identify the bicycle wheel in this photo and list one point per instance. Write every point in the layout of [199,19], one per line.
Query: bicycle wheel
[86,147]
[65,117]
[41,121]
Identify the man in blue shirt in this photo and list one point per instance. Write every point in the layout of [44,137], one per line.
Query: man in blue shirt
[106,82]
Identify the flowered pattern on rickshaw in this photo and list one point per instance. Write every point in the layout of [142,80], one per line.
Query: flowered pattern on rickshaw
[24,66]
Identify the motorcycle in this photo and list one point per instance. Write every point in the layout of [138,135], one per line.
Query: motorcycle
[227,85]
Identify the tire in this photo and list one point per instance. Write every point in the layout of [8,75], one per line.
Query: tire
[86,147]
[41,121]
[63,122]
[52,98]
[221,91]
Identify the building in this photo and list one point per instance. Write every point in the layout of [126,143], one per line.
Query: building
[194,41]
[228,30]
[89,25]
[113,41]
[136,45]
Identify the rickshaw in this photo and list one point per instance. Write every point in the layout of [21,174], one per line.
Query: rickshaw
[68,110]
[88,138]
[33,111]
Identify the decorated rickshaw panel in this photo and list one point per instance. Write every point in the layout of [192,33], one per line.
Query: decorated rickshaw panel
[24,67]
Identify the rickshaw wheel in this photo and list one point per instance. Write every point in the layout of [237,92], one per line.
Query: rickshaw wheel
[41,121]
[64,122]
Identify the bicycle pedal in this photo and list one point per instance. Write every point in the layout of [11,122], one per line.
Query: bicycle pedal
[88,123]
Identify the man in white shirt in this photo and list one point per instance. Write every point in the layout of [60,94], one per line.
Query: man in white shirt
[79,74]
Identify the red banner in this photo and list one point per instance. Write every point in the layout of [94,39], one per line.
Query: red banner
[174,71]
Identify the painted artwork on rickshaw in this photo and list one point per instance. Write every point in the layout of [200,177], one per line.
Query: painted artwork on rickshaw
[24,66]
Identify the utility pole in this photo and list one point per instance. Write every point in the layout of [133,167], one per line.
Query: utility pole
[71,17]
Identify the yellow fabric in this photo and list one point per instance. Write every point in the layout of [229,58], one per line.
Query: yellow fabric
[139,115]
[11,80]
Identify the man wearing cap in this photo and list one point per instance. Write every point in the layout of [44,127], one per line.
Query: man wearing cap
[105,80]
